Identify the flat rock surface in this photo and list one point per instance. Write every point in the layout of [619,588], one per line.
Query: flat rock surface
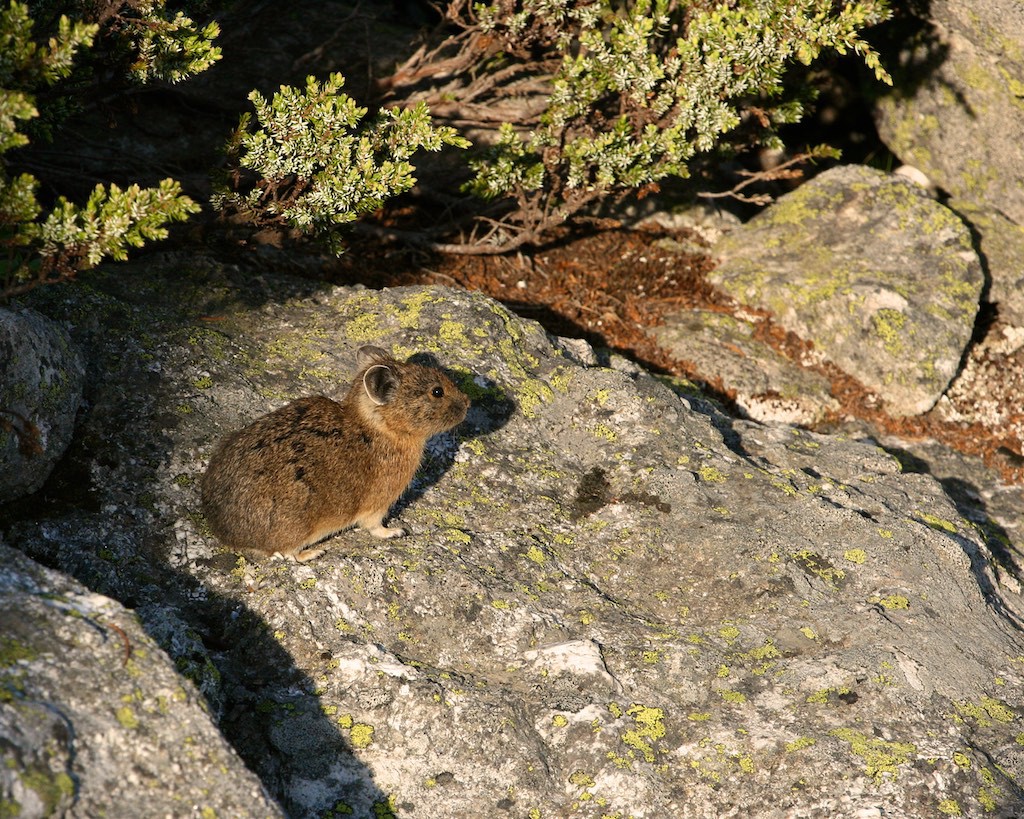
[765,385]
[613,600]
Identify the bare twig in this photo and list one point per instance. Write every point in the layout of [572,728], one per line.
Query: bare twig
[784,170]
[124,639]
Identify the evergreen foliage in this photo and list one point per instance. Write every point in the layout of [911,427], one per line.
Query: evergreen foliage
[38,248]
[632,91]
[311,162]
[165,47]
[141,38]
[576,101]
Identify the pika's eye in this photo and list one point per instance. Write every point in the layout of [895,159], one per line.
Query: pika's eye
[437,392]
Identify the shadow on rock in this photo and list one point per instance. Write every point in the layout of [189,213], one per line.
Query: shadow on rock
[1005,557]
[265,706]
[490,409]
[103,518]
[913,50]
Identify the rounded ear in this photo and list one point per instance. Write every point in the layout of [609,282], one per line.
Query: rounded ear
[368,354]
[380,383]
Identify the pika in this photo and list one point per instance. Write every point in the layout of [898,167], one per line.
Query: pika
[316,466]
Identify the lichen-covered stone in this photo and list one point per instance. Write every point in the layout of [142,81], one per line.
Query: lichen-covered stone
[957,113]
[41,376]
[957,109]
[1001,246]
[762,383]
[94,718]
[883,280]
[612,601]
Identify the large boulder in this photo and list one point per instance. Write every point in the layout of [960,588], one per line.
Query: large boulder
[41,378]
[613,600]
[880,278]
[955,112]
[95,719]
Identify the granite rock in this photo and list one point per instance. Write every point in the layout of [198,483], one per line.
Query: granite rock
[612,600]
[41,378]
[882,280]
[95,719]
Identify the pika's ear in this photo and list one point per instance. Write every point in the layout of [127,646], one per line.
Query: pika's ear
[380,382]
[369,354]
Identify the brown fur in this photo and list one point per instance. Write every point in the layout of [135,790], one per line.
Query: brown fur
[316,466]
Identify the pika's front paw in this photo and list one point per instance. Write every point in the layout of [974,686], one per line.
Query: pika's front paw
[298,557]
[387,531]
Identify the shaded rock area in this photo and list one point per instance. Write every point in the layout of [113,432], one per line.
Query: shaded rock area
[1001,248]
[881,279]
[956,109]
[956,115]
[95,719]
[41,376]
[613,601]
